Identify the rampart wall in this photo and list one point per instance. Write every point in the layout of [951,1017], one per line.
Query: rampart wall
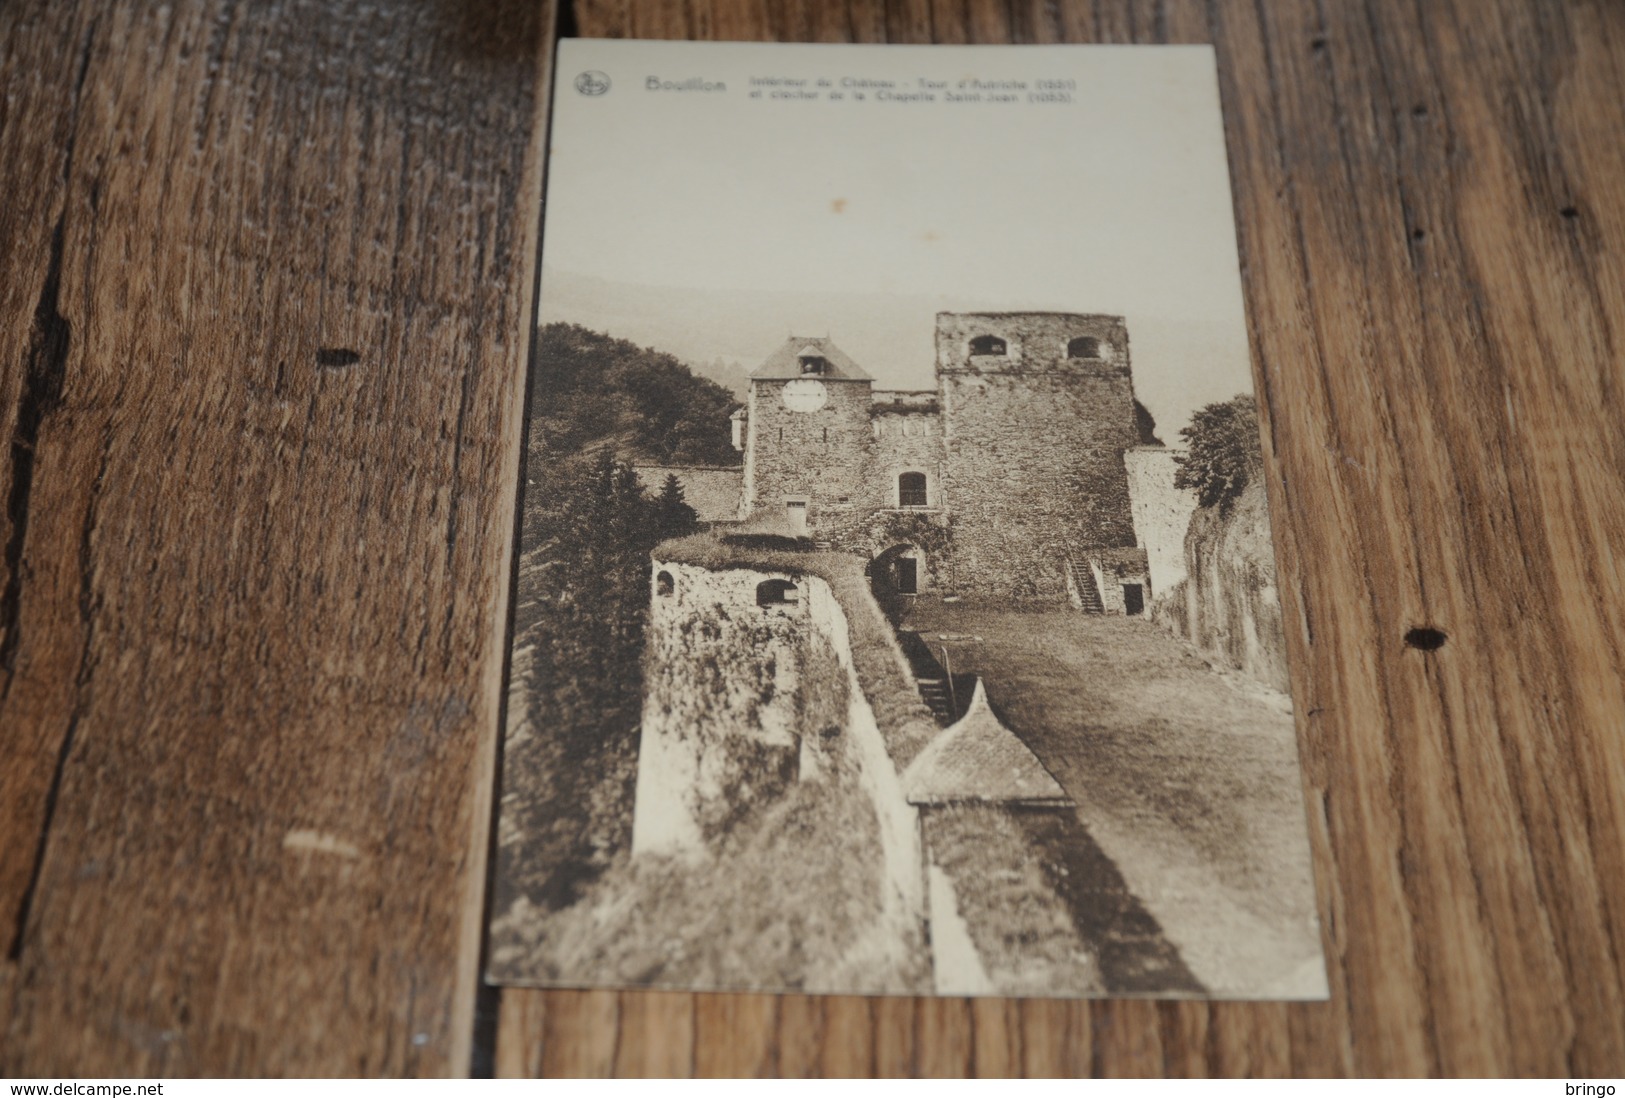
[713,491]
[1162,513]
[1228,605]
[742,700]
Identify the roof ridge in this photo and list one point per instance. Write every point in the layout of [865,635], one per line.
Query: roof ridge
[978,758]
[783,364]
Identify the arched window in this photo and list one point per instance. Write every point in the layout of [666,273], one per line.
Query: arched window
[987,345]
[911,490]
[664,585]
[775,592]
[1083,347]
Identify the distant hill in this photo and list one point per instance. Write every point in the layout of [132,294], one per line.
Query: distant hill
[891,337]
[593,390]
[732,376]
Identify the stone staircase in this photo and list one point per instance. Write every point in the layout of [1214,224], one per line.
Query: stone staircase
[930,677]
[1081,586]
[938,698]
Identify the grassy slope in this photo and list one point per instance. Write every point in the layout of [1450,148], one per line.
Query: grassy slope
[1187,779]
[1027,939]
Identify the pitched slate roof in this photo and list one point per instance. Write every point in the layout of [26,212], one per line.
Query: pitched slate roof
[978,759]
[784,364]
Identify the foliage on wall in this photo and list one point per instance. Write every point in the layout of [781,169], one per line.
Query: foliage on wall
[931,532]
[1224,451]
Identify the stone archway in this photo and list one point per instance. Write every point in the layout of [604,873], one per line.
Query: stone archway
[898,574]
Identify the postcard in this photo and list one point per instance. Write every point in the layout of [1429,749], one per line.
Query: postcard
[896,606]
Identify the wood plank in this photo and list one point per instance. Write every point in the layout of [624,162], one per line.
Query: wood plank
[263,328]
[1433,273]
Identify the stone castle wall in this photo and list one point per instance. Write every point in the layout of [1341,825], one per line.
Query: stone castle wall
[1035,472]
[1162,513]
[1228,605]
[721,706]
[713,491]
[741,701]
[1111,569]
[908,442]
[1034,341]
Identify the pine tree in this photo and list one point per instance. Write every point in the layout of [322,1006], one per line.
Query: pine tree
[673,516]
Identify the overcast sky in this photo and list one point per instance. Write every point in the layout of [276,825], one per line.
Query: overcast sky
[1117,202]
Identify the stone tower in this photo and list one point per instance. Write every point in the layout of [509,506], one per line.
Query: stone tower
[809,440]
[1037,410]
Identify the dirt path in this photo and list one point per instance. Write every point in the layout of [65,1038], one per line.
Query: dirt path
[1186,778]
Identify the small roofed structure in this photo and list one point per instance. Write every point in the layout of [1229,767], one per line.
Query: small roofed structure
[978,759]
[790,362]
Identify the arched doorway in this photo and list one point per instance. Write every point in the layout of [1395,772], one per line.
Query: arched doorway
[899,571]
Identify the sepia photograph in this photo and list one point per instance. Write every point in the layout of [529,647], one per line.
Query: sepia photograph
[896,606]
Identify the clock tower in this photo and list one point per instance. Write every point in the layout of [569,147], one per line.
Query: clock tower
[809,439]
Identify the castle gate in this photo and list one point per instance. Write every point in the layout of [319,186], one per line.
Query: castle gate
[900,570]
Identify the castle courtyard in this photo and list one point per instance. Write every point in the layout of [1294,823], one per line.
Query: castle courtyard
[1183,775]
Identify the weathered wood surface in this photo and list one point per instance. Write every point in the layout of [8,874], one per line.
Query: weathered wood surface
[251,605]
[1427,201]
[264,315]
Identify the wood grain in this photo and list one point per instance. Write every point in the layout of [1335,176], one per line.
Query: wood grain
[1432,249]
[252,595]
[268,275]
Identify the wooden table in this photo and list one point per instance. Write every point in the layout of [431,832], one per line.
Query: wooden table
[264,317]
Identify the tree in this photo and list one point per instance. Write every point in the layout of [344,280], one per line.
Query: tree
[584,591]
[592,389]
[1224,451]
[673,516]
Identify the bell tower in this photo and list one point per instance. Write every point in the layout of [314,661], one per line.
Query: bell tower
[808,437]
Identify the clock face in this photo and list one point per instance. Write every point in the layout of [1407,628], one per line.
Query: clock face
[805,395]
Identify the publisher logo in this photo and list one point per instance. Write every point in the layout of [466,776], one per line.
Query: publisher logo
[592,82]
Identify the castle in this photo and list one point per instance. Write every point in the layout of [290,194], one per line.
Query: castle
[1010,479]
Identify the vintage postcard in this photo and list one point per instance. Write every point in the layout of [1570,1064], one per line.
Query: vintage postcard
[897,611]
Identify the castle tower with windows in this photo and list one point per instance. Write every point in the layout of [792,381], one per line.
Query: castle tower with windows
[1037,411]
[808,440]
[1006,480]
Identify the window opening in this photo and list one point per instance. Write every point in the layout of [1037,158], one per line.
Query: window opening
[776,592]
[911,490]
